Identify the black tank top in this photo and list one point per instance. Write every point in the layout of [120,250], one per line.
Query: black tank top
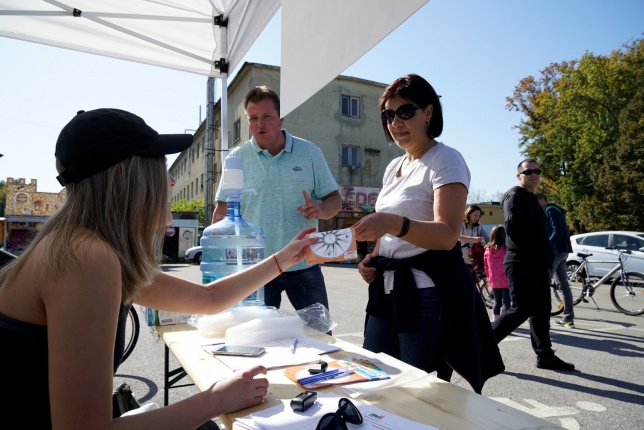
[24,357]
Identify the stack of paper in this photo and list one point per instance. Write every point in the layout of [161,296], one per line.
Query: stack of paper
[279,353]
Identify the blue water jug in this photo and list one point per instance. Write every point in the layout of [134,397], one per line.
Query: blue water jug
[232,244]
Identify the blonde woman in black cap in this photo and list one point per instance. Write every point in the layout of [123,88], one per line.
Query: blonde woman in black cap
[63,302]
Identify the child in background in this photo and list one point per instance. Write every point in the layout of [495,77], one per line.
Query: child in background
[495,251]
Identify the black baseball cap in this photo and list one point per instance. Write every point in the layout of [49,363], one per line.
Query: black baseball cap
[98,139]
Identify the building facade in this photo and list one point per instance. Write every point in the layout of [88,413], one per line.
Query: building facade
[25,211]
[343,119]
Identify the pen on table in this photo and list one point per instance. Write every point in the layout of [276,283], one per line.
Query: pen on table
[331,374]
[213,344]
[294,347]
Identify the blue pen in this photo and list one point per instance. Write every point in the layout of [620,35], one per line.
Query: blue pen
[306,382]
[294,347]
[331,374]
[213,344]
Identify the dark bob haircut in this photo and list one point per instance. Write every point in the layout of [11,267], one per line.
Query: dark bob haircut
[417,90]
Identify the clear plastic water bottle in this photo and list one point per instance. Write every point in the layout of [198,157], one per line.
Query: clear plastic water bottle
[233,244]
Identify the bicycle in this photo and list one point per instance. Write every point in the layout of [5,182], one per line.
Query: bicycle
[132,328]
[480,280]
[626,290]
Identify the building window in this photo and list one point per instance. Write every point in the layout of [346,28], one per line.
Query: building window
[236,131]
[350,156]
[351,106]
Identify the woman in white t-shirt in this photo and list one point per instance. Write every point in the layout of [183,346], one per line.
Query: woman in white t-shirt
[419,284]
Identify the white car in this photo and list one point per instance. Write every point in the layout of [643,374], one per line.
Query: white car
[194,254]
[597,243]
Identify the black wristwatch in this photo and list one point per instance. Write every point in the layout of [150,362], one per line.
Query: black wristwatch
[405,227]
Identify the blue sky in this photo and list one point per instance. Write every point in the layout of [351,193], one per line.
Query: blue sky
[473,52]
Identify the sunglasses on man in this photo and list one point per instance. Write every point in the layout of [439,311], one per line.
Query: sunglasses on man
[347,411]
[404,112]
[529,172]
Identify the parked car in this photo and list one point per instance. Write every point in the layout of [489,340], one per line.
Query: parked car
[597,243]
[193,254]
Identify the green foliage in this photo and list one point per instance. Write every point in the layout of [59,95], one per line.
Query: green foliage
[583,123]
[191,206]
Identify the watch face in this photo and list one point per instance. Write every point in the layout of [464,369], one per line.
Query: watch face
[332,244]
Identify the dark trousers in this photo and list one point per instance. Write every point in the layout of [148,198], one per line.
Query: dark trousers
[530,291]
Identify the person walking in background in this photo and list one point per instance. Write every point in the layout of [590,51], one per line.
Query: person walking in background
[472,232]
[423,307]
[295,189]
[64,301]
[559,236]
[473,237]
[495,251]
[527,263]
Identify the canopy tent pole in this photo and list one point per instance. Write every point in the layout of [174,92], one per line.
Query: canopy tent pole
[209,150]
[211,172]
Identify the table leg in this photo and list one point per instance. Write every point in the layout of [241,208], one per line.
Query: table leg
[167,373]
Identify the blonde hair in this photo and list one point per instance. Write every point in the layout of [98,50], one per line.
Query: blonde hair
[124,206]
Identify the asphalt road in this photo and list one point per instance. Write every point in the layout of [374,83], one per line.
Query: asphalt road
[606,391]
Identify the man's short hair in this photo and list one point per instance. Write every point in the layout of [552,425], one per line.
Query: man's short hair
[527,160]
[542,196]
[262,92]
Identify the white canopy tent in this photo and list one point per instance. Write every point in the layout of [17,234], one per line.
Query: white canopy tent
[320,38]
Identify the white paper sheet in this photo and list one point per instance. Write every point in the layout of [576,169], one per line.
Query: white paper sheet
[284,418]
[279,353]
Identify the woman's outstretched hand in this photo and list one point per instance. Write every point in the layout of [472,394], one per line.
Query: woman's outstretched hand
[295,250]
[375,225]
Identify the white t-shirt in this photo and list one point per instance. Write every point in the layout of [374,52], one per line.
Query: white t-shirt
[412,195]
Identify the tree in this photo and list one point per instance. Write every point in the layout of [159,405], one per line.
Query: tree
[191,206]
[574,126]
[618,203]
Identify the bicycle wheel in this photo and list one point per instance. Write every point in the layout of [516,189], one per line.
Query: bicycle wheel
[575,276]
[628,296]
[556,300]
[576,282]
[132,328]
[486,293]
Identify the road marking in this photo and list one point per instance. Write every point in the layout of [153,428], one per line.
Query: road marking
[591,406]
[538,409]
[562,413]
[569,423]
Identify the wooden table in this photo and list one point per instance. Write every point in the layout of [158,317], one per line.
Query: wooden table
[429,401]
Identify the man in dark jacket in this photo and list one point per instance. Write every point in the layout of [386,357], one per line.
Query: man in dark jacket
[559,237]
[526,264]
